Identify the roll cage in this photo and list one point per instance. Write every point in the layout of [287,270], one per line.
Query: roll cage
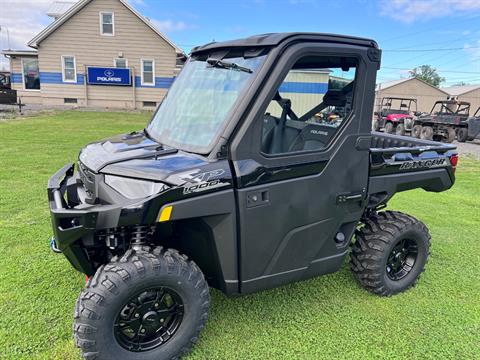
[451,108]
[397,105]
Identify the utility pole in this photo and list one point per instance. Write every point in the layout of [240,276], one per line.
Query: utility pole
[8,35]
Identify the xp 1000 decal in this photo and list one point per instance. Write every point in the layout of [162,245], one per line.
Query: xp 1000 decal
[197,182]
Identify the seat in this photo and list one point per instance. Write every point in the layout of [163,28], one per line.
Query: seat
[269,124]
[313,137]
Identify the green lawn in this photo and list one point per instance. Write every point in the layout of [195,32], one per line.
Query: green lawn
[328,317]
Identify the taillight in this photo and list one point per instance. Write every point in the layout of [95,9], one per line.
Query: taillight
[86,279]
[454,162]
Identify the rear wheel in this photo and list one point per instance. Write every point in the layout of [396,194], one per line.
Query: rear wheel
[389,128]
[462,134]
[390,253]
[400,129]
[450,135]
[426,133]
[416,131]
[145,305]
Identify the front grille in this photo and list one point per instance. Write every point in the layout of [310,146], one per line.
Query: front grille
[89,182]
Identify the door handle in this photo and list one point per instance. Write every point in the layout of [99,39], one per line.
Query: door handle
[257,198]
[351,197]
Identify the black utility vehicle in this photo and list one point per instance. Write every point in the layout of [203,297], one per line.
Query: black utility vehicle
[396,115]
[8,96]
[236,186]
[446,119]
[471,129]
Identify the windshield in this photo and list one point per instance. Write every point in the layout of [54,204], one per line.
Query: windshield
[197,106]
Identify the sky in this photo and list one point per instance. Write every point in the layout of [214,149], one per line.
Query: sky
[441,33]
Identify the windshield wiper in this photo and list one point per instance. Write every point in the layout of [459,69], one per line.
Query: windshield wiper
[227,65]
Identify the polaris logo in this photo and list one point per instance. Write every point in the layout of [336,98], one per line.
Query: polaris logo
[319,132]
[423,164]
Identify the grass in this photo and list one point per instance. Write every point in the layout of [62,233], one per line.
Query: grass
[323,318]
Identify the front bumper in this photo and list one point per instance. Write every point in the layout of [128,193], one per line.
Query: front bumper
[74,222]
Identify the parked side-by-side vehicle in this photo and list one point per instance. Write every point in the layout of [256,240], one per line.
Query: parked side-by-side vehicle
[396,115]
[470,129]
[447,119]
[238,184]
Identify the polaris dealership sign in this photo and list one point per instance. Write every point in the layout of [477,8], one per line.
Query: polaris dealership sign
[108,76]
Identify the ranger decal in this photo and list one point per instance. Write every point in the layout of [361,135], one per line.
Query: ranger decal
[423,164]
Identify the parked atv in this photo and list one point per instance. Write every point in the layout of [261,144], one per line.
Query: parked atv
[396,115]
[446,120]
[471,129]
[233,185]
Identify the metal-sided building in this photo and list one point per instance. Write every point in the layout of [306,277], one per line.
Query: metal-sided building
[97,53]
[469,93]
[425,93]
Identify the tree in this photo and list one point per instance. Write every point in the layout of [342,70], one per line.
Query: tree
[428,74]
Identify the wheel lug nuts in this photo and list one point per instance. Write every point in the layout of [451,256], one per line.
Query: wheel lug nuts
[137,315]
[162,320]
[142,331]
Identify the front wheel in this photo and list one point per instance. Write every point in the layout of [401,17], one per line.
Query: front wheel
[148,304]
[390,252]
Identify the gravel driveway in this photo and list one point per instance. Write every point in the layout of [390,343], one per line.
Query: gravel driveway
[471,148]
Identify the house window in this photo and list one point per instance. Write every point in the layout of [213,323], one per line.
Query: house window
[31,74]
[120,63]
[107,26]
[148,72]
[69,71]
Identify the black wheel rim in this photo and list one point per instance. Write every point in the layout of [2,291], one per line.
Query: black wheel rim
[401,259]
[149,319]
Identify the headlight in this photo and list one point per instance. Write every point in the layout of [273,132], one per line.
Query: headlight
[134,189]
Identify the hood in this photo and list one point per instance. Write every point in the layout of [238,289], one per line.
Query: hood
[397,116]
[137,156]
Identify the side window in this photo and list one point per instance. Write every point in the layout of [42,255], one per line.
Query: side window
[107,26]
[120,63]
[314,99]
[69,71]
[148,72]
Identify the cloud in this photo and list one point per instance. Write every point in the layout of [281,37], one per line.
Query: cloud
[23,19]
[169,26]
[409,11]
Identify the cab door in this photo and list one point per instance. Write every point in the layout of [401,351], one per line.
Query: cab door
[301,166]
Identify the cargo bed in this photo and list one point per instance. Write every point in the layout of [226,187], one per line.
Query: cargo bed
[400,163]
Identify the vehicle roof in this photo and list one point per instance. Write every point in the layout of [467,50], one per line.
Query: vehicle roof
[274,39]
[399,98]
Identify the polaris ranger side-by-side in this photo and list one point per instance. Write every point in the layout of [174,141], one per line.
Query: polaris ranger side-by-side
[396,115]
[447,120]
[237,184]
[470,129]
